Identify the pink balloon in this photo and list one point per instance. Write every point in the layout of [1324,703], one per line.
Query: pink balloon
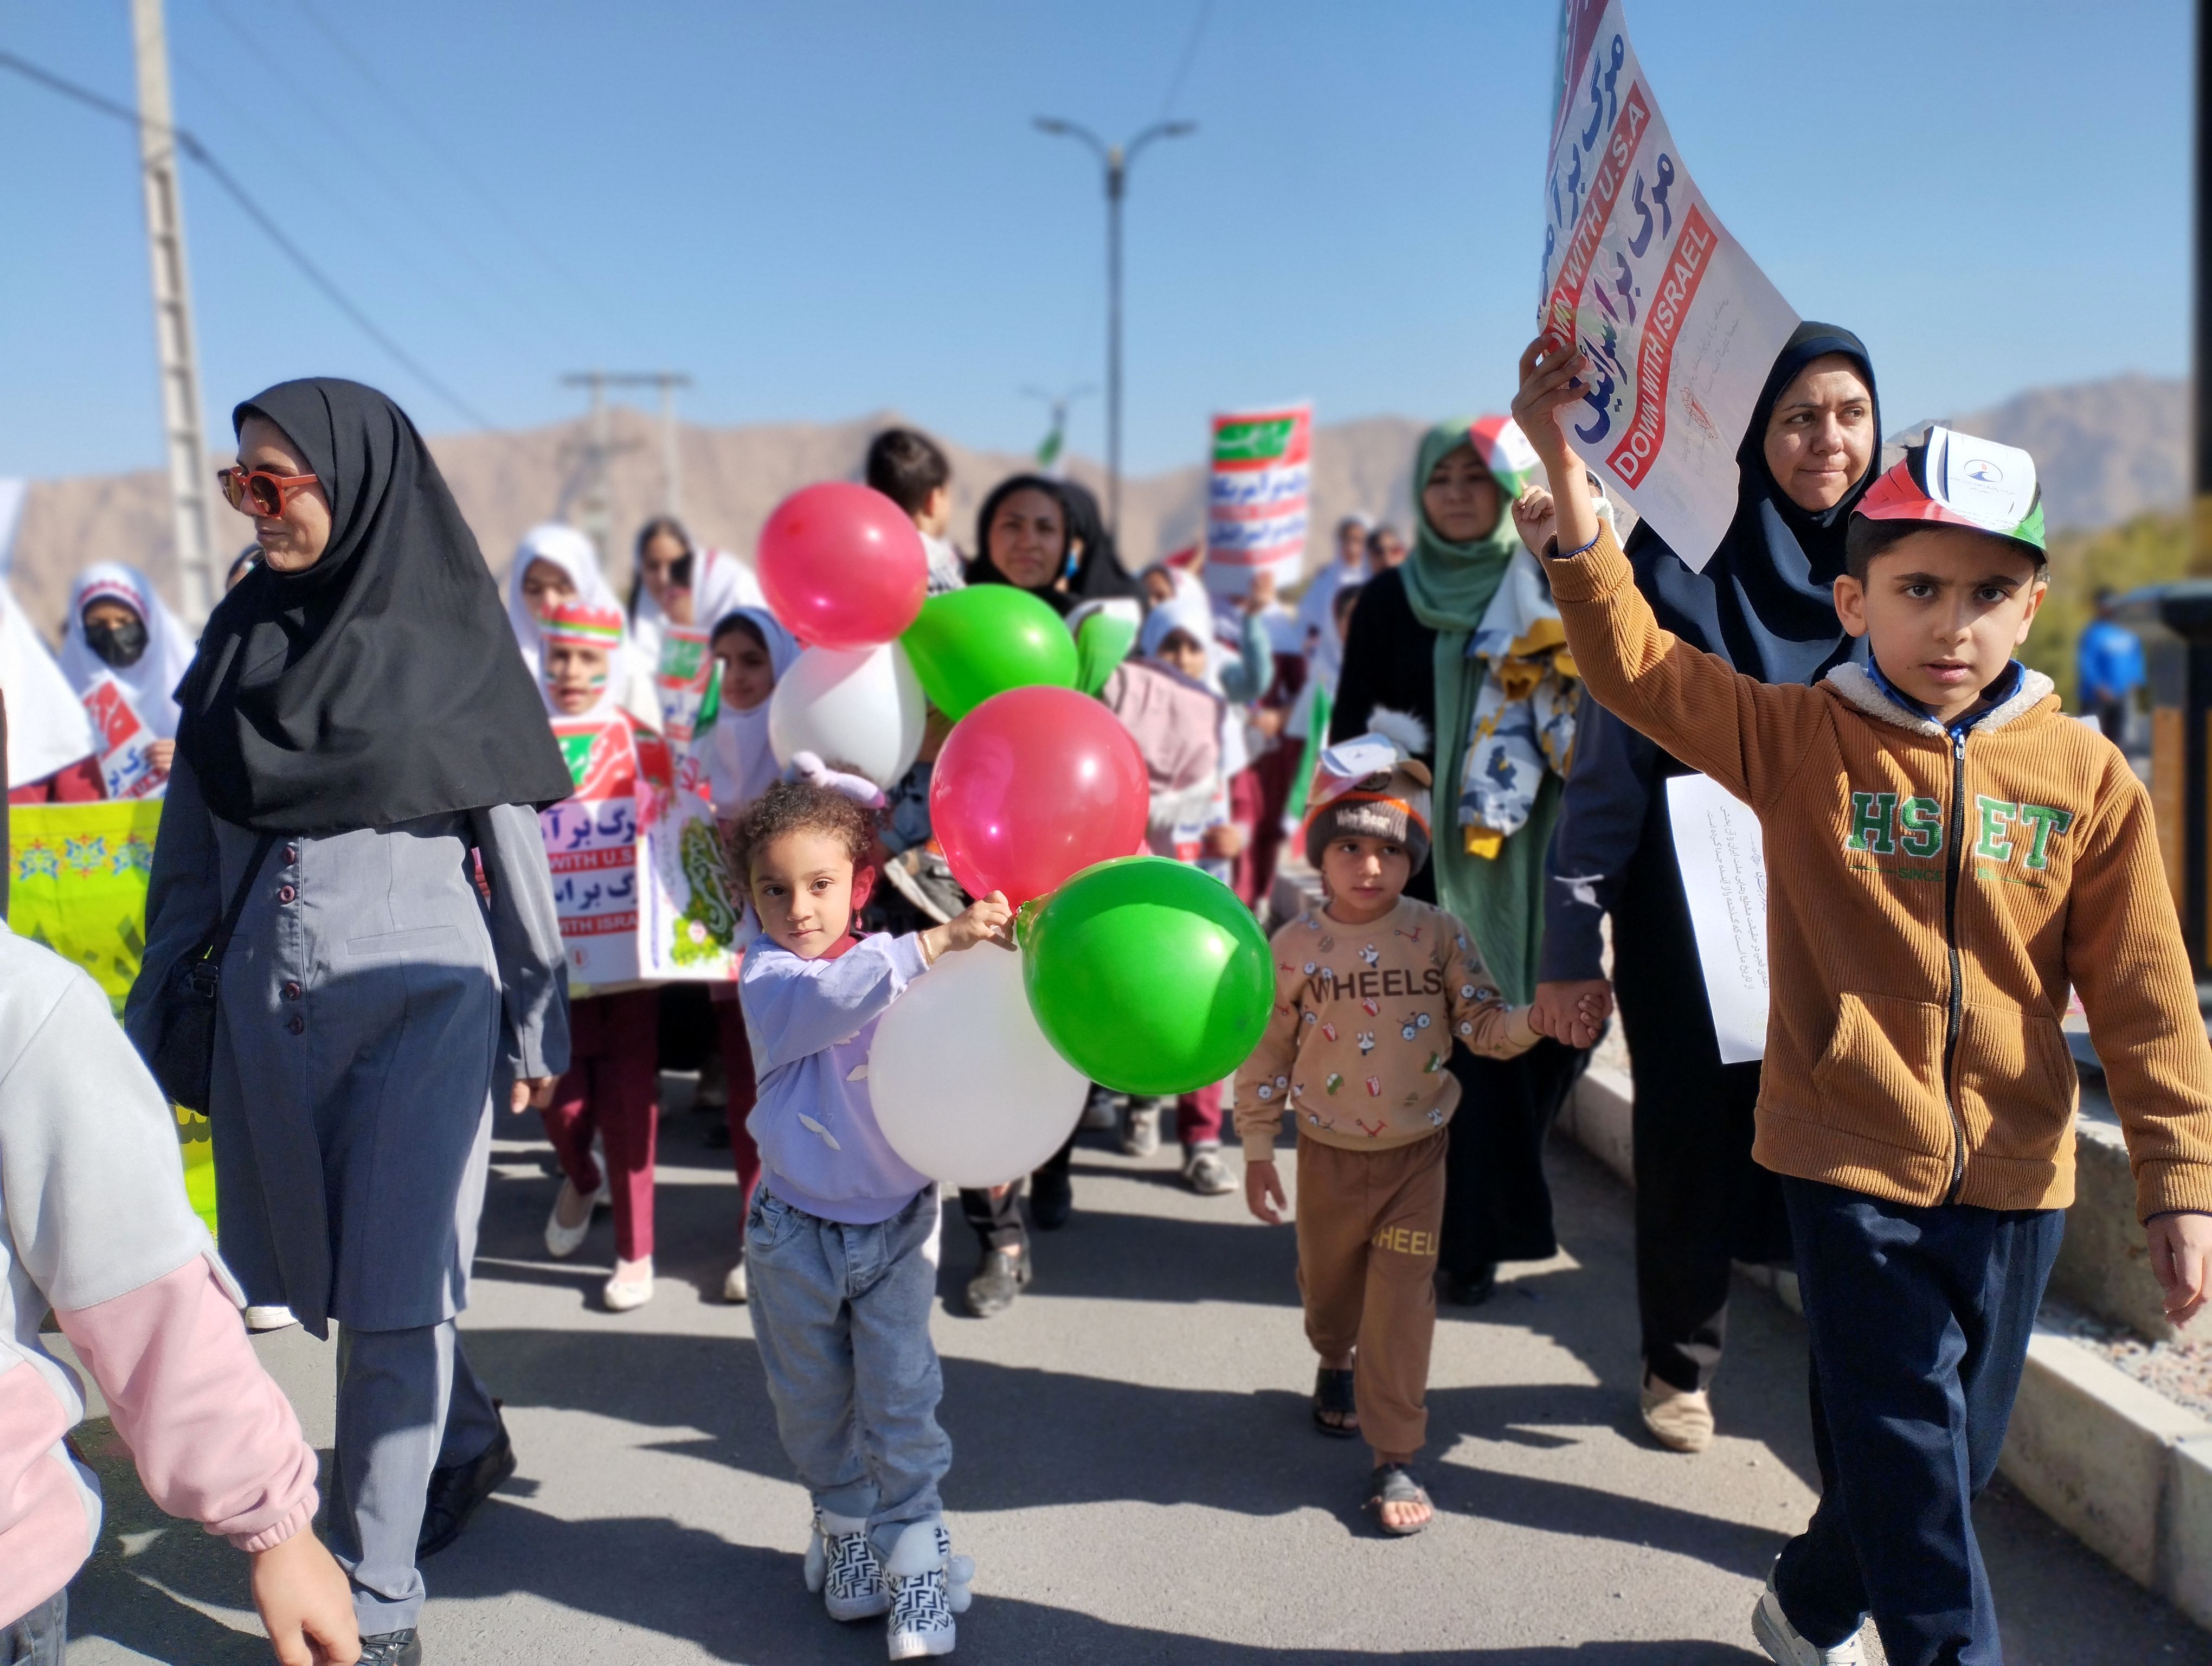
[1034,785]
[842,566]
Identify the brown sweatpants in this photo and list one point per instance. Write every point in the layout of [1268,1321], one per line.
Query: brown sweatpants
[1367,1260]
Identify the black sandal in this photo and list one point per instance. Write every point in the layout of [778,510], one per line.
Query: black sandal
[1332,1397]
[1393,1483]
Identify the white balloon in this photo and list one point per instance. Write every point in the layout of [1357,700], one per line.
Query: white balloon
[964,1084]
[859,710]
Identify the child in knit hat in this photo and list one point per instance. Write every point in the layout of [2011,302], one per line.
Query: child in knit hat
[1371,992]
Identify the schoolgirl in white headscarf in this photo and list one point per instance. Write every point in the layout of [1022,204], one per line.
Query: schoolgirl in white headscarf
[148,658]
[741,765]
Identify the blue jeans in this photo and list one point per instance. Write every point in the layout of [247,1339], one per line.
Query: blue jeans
[841,1315]
[41,1638]
[1919,1321]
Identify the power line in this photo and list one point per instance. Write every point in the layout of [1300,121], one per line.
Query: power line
[452,163]
[1190,58]
[314,274]
[369,164]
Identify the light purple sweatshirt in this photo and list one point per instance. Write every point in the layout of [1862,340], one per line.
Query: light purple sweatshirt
[811,1022]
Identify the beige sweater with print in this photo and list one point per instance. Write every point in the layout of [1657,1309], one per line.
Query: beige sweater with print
[1363,1024]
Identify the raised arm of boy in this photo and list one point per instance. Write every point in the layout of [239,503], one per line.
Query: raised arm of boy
[1733,727]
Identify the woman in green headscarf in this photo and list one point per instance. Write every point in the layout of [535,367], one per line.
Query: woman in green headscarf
[1409,650]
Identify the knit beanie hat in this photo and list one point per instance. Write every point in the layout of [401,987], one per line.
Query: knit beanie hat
[1373,787]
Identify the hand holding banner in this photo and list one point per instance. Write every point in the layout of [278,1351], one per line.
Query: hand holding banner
[1680,326]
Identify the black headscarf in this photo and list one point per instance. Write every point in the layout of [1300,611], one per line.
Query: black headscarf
[1097,573]
[382,683]
[1764,601]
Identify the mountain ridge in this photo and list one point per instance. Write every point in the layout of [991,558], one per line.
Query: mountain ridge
[2107,449]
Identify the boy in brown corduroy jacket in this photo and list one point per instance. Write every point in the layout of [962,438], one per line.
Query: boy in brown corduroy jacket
[1947,854]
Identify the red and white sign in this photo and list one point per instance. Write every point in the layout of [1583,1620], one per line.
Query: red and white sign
[1257,497]
[122,738]
[1679,326]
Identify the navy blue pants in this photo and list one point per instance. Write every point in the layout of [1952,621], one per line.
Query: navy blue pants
[1919,1321]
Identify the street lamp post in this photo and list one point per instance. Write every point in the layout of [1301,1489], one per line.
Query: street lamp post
[1116,159]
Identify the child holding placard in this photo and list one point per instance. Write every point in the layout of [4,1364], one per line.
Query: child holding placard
[1372,990]
[842,1234]
[1948,855]
[612,1088]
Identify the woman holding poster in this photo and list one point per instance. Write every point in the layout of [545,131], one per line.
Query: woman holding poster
[1763,603]
[124,653]
[357,733]
[1409,650]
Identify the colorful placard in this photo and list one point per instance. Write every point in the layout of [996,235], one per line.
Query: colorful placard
[1258,494]
[1679,326]
[76,882]
[639,878]
[681,681]
[123,738]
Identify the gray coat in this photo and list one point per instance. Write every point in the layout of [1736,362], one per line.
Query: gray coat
[371,1003]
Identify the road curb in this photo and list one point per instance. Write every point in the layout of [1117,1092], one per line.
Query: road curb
[2124,1469]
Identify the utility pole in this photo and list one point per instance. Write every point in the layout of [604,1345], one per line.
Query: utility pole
[1116,159]
[595,501]
[190,500]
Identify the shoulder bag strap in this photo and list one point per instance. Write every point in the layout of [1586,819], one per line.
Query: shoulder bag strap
[222,939]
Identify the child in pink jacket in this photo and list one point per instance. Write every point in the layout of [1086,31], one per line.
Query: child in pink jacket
[94,1222]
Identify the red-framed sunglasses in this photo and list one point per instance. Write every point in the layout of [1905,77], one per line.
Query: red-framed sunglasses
[257,492]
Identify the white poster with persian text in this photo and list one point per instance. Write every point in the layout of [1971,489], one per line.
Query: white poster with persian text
[1680,326]
[1723,856]
[1257,490]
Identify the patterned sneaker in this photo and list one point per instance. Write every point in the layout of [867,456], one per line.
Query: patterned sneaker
[929,1585]
[842,1567]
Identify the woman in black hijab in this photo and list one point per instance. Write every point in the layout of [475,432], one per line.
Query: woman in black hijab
[357,733]
[1763,604]
[1047,538]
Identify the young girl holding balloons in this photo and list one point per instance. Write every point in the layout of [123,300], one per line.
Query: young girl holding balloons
[850,1368]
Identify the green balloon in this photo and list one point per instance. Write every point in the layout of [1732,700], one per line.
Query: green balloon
[1148,975]
[973,643]
[1102,643]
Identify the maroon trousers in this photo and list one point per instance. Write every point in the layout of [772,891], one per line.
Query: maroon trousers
[612,1088]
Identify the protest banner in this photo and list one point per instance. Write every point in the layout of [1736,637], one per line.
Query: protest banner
[1257,497]
[683,681]
[77,882]
[639,879]
[1679,326]
[1723,854]
[123,737]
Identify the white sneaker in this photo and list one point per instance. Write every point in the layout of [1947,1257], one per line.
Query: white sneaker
[1786,1648]
[928,1586]
[737,1286]
[620,1295]
[562,1242]
[259,1319]
[842,1568]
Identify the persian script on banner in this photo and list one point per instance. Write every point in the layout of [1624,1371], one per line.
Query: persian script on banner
[1681,327]
[124,737]
[1257,497]
[639,880]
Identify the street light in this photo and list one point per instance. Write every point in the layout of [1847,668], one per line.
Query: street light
[1117,161]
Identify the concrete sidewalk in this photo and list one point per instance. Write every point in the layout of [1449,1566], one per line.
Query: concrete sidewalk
[1134,1471]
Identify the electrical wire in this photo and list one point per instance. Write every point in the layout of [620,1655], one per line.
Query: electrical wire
[314,274]
[430,142]
[412,200]
[1190,58]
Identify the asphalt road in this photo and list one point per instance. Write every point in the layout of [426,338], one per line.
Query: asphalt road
[1134,1470]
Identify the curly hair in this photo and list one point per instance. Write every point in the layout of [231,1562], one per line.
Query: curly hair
[798,807]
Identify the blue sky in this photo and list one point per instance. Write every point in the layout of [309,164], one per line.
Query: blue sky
[822,211]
